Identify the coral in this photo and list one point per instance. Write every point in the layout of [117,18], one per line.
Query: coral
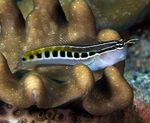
[63,116]
[144,110]
[114,14]
[109,98]
[47,87]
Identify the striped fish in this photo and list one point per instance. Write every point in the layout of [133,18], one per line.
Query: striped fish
[96,57]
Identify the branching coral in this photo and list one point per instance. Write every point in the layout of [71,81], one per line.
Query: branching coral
[112,91]
[114,14]
[99,93]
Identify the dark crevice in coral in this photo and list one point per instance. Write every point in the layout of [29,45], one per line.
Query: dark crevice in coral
[58,81]
[34,109]
[62,18]
[20,73]
[2,111]
[1,103]
[103,88]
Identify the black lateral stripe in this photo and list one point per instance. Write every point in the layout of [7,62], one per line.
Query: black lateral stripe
[93,48]
[106,49]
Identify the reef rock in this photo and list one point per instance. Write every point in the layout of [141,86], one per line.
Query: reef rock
[103,95]
[116,14]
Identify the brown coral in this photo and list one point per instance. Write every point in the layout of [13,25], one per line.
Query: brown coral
[56,86]
[114,14]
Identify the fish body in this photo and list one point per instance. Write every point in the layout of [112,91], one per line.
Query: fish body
[96,57]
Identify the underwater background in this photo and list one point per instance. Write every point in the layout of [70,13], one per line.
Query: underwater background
[131,18]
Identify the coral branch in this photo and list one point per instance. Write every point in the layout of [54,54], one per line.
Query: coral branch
[43,23]
[8,83]
[11,19]
[81,22]
[73,83]
[12,31]
[44,93]
[34,90]
[114,94]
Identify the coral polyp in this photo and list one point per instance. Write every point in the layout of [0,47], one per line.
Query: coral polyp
[46,93]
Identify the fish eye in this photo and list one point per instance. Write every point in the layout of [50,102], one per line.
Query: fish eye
[119,45]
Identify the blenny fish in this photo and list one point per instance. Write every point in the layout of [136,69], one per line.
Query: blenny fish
[96,56]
